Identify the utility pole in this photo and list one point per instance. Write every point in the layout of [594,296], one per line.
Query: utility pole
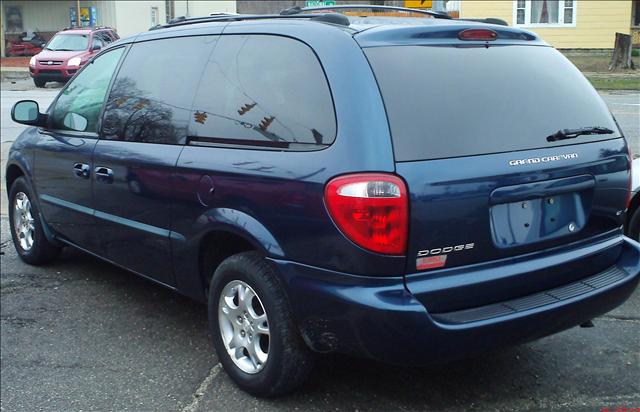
[78,13]
[439,5]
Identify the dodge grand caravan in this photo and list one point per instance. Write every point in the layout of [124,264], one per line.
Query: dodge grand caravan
[407,191]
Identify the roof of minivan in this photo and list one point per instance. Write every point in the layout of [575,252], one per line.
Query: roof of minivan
[368,30]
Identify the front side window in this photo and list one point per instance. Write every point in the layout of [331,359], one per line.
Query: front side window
[68,42]
[263,90]
[79,105]
[544,12]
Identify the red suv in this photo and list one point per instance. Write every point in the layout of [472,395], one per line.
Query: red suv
[67,51]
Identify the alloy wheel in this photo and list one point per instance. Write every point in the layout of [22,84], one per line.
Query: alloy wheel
[244,326]
[23,222]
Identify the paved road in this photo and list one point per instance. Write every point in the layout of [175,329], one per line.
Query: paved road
[82,335]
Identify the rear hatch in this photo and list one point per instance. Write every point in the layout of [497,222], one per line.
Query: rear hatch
[469,124]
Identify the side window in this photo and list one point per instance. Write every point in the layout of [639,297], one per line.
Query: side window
[96,42]
[104,37]
[79,105]
[264,90]
[151,97]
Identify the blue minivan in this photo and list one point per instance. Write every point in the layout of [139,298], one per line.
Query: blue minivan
[410,190]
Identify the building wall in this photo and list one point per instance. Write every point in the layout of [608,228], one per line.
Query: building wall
[193,8]
[133,17]
[275,6]
[596,22]
[52,16]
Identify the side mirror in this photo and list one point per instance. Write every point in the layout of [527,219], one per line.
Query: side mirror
[28,112]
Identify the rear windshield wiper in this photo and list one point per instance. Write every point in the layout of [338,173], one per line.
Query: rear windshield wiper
[573,133]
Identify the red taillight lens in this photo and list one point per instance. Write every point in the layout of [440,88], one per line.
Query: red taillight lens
[371,209]
[478,34]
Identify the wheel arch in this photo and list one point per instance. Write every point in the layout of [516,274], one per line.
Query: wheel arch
[13,172]
[232,232]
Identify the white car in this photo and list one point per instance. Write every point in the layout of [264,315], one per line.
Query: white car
[633,221]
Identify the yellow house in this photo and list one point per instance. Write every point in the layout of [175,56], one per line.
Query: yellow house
[565,24]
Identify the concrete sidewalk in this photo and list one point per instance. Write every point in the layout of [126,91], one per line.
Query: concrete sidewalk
[13,73]
[14,67]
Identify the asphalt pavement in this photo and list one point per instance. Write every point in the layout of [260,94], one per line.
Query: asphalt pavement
[80,334]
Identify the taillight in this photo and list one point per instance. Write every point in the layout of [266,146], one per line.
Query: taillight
[478,34]
[371,209]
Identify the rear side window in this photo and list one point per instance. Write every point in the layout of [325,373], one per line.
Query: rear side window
[97,42]
[151,97]
[461,101]
[265,91]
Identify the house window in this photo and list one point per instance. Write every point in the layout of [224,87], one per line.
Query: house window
[541,13]
[521,6]
[155,14]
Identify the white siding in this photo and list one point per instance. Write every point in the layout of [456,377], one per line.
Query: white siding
[133,17]
[203,8]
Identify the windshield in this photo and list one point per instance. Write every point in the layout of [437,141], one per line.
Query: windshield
[69,42]
[463,101]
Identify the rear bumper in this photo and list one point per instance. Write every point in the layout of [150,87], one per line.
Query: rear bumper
[379,318]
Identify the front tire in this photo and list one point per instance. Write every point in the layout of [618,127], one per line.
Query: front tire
[27,232]
[39,82]
[253,329]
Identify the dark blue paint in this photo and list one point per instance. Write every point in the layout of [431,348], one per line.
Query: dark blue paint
[377,318]
[153,215]
[451,198]
[56,153]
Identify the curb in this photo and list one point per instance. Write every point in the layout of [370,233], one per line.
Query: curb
[14,75]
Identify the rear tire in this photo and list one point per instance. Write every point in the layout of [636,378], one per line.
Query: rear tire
[288,360]
[634,226]
[39,82]
[29,239]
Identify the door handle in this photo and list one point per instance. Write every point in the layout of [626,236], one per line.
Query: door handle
[103,174]
[82,170]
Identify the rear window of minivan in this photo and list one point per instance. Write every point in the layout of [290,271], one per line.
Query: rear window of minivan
[461,101]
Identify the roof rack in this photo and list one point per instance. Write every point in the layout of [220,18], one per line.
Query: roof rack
[297,10]
[92,28]
[334,18]
[435,14]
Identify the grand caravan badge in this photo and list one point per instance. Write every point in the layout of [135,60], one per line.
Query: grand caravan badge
[544,159]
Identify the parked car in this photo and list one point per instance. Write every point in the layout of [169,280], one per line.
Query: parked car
[27,44]
[67,51]
[633,214]
[321,197]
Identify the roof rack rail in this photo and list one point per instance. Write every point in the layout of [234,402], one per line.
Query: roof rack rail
[297,10]
[92,28]
[334,18]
